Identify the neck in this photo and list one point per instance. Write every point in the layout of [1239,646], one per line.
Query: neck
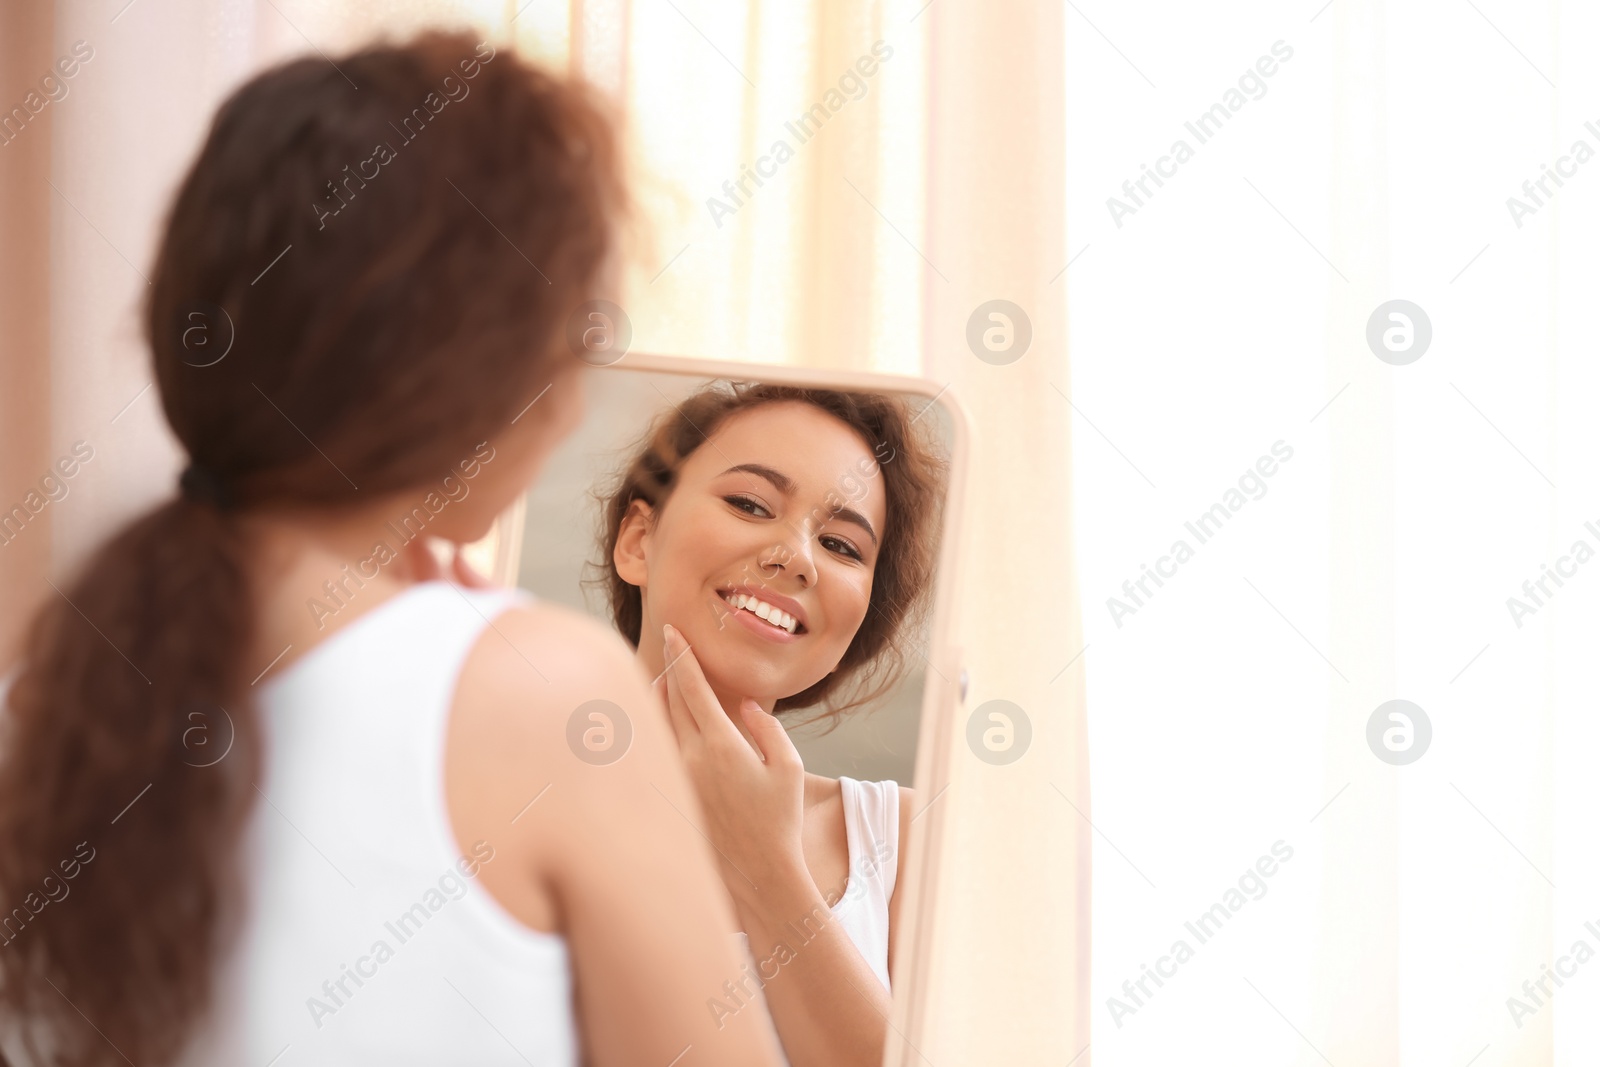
[314,571]
[302,548]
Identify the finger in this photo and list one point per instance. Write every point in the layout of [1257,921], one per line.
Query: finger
[769,735]
[688,682]
[683,721]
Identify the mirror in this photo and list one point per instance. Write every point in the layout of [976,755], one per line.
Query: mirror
[553,545]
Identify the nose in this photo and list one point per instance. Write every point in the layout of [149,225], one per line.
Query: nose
[793,556]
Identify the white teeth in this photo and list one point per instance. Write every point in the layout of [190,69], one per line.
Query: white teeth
[762,609]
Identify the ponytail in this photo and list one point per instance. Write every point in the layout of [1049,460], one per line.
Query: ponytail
[126,770]
[389,342]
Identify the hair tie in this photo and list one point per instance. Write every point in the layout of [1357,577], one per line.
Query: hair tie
[202,485]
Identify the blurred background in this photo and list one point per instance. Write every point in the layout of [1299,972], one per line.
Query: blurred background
[1188,331]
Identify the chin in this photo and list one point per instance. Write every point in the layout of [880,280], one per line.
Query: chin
[734,671]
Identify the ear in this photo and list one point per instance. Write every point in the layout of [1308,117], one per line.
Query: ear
[631,556]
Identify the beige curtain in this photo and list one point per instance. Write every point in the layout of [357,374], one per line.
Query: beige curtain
[827,185]
[25,380]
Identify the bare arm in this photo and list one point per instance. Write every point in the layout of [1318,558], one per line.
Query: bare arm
[838,985]
[827,1003]
[608,854]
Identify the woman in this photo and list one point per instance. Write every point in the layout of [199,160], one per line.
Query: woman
[274,791]
[770,548]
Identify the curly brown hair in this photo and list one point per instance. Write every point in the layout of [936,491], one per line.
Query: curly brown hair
[395,336]
[915,473]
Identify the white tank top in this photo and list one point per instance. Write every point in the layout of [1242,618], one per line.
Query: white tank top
[872,836]
[367,937]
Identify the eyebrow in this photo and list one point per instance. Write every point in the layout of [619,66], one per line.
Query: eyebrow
[786,486]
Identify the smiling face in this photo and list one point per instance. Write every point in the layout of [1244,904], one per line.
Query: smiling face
[782,504]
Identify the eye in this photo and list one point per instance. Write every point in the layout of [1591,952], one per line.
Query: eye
[844,546]
[744,503]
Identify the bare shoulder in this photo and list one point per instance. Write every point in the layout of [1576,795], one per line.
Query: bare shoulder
[561,694]
[537,645]
[908,812]
[554,728]
[908,803]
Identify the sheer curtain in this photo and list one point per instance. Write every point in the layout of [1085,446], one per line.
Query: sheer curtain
[1440,460]
[829,185]
[816,262]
